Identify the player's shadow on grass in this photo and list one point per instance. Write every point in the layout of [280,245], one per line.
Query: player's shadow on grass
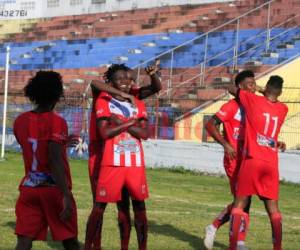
[49,242]
[169,230]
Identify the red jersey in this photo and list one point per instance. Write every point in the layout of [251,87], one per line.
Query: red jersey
[123,149]
[231,115]
[263,123]
[33,132]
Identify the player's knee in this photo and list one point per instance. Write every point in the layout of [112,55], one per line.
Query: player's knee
[241,202]
[71,244]
[138,205]
[271,206]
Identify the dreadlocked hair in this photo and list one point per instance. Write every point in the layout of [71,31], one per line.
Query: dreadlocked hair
[45,88]
[108,75]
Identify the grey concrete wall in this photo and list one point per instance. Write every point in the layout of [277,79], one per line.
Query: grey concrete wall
[207,157]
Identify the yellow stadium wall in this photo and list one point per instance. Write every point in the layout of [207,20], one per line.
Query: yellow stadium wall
[190,128]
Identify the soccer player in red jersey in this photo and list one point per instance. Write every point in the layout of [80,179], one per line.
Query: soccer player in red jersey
[98,87]
[92,237]
[232,117]
[259,173]
[45,198]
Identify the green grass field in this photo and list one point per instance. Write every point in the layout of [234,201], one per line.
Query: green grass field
[180,206]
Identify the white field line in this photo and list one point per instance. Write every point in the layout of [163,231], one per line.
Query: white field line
[186,201]
[252,211]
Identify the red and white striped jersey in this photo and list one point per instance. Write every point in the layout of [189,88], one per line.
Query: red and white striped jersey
[124,149]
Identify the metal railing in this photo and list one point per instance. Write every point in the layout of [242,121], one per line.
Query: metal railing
[231,57]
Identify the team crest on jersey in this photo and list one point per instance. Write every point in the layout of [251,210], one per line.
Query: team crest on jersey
[102,191]
[100,111]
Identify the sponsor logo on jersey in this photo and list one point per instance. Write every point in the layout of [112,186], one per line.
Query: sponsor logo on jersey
[128,146]
[37,179]
[265,141]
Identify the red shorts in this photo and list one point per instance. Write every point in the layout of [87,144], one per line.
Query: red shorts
[113,179]
[39,208]
[258,177]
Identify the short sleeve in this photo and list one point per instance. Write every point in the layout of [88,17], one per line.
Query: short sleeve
[142,114]
[226,112]
[59,131]
[102,108]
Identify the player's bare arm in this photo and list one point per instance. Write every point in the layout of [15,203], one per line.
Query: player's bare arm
[102,86]
[139,130]
[155,85]
[212,127]
[107,130]
[260,89]
[57,168]
[233,90]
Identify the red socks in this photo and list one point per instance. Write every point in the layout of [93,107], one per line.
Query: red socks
[223,217]
[275,220]
[244,227]
[125,228]
[141,227]
[238,223]
[93,229]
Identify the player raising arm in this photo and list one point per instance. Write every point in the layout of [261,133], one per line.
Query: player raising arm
[96,143]
[45,198]
[140,93]
[122,153]
[259,174]
[231,116]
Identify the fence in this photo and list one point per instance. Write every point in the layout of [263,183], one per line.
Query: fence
[189,73]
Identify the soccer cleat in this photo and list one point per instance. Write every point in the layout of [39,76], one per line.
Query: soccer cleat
[210,234]
[241,247]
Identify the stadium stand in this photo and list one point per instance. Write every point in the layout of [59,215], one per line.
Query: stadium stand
[81,46]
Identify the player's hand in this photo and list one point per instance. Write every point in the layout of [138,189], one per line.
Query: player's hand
[132,122]
[116,120]
[153,69]
[281,146]
[128,97]
[260,89]
[67,207]
[72,141]
[229,151]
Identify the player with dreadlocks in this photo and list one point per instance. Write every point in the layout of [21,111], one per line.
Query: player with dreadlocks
[45,198]
[93,237]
